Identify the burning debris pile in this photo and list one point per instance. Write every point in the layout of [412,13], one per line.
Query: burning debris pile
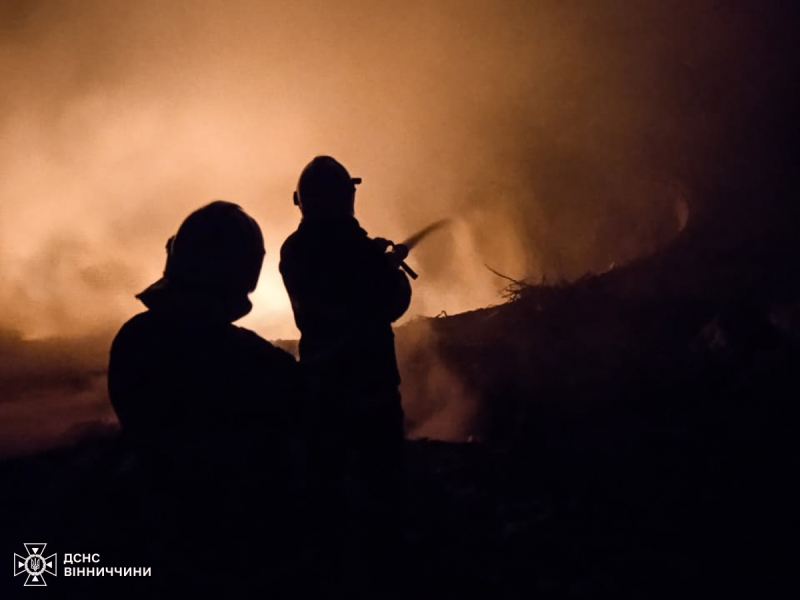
[620,341]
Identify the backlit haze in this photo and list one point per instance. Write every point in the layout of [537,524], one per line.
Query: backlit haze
[560,137]
[119,118]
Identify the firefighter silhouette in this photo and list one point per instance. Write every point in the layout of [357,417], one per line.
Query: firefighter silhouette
[346,290]
[206,404]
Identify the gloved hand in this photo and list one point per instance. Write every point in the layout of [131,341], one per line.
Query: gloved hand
[395,253]
[399,252]
[382,244]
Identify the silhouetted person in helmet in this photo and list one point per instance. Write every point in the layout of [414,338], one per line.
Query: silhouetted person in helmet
[346,290]
[205,403]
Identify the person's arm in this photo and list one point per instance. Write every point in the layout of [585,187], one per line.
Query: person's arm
[348,284]
[383,288]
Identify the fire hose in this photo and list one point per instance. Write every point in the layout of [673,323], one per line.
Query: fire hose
[402,249]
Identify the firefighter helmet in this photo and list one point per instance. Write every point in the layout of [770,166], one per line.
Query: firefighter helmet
[218,249]
[325,188]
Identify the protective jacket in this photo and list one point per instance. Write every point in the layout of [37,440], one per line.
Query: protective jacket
[179,380]
[345,294]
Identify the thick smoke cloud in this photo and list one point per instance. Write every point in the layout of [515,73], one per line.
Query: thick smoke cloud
[560,134]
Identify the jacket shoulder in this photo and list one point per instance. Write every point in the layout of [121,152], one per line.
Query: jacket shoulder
[291,244]
[133,330]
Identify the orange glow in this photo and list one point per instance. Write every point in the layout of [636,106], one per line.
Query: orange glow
[120,118]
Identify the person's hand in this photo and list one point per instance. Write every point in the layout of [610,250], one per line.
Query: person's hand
[399,252]
[395,253]
[382,244]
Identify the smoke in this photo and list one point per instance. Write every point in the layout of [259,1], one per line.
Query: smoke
[557,133]
[436,402]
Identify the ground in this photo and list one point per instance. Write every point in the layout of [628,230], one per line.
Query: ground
[629,444]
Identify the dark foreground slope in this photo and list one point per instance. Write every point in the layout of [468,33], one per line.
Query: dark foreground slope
[634,442]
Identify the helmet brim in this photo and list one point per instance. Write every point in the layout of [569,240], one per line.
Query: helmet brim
[154,291]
